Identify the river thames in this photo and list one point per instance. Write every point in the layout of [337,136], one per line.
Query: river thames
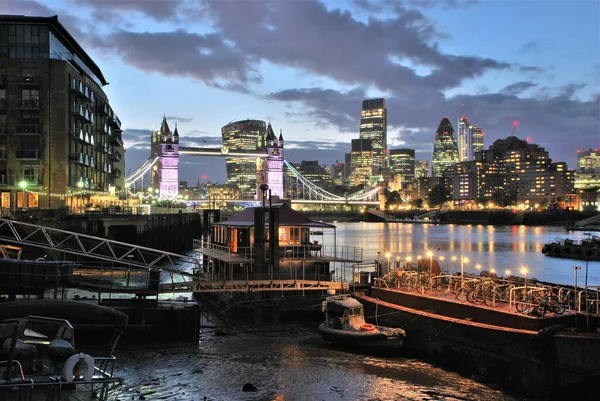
[291,362]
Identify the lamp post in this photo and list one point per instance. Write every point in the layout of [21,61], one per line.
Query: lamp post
[408,259]
[388,259]
[80,195]
[378,263]
[463,260]
[575,268]
[524,271]
[23,185]
[430,254]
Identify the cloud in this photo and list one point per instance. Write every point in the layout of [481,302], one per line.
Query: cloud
[530,69]
[335,38]
[517,88]
[159,10]
[203,57]
[133,137]
[179,119]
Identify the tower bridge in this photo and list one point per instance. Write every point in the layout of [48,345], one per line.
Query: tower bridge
[283,179]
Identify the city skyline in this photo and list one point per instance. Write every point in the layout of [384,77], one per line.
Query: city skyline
[535,62]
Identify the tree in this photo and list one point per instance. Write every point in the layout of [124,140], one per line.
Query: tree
[438,195]
[392,198]
[418,203]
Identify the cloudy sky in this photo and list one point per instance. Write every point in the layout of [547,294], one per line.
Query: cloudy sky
[306,66]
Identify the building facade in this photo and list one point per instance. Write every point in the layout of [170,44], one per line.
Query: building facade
[478,136]
[402,163]
[445,151]
[587,175]
[243,135]
[373,127]
[421,169]
[60,140]
[465,140]
[514,167]
[362,161]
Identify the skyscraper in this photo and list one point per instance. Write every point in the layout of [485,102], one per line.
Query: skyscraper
[373,126]
[445,152]
[465,140]
[60,140]
[362,160]
[402,162]
[243,135]
[477,134]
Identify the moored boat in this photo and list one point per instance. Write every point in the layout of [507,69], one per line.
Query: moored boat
[345,325]
[39,355]
[540,356]
[584,249]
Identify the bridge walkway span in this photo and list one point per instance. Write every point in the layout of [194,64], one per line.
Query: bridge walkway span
[120,254]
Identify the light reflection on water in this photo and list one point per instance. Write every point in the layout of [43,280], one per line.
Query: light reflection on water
[498,247]
[284,363]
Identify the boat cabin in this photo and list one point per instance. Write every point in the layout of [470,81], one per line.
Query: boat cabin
[344,313]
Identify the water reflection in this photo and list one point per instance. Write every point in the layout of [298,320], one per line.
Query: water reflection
[498,247]
[285,363]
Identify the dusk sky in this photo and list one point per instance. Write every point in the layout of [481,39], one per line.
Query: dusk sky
[306,66]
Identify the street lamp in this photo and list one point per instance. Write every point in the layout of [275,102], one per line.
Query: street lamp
[388,258]
[378,264]
[463,260]
[408,259]
[23,185]
[524,271]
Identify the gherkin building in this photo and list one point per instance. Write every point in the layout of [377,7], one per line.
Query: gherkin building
[445,150]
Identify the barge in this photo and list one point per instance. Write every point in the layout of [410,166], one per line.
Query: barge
[546,357]
[584,249]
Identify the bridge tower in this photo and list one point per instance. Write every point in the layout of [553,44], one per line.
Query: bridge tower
[165,146]
[273,176]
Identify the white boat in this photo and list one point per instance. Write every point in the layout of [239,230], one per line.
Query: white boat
[345,325]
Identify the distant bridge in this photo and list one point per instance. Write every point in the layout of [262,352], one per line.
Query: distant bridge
[300,189]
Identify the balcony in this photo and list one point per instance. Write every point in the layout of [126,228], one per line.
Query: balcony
[30,104]
[28,154]
[29,79]
[116,172]
[115,121]
[28,129]
[115,140]
[114,155]
[103,109]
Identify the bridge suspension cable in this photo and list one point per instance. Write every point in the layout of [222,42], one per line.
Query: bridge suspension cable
[307,187]
[141,170]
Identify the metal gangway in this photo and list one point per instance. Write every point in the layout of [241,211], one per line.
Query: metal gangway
[589,220]
[115,256]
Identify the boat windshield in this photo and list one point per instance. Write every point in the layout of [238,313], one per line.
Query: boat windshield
[354,311]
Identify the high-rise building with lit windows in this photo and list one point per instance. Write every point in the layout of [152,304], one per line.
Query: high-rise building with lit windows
[470,140]
[477,135]
[421,169]
[60,140]
[373,127]
[402,162]
[362,160]
[514,166]
[241,171]
[465,140]
[588,169]
[445,151]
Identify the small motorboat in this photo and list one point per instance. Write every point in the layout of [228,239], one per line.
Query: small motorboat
[345,325]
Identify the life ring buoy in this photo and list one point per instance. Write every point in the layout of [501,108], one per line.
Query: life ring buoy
[367,327]
[77,366]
